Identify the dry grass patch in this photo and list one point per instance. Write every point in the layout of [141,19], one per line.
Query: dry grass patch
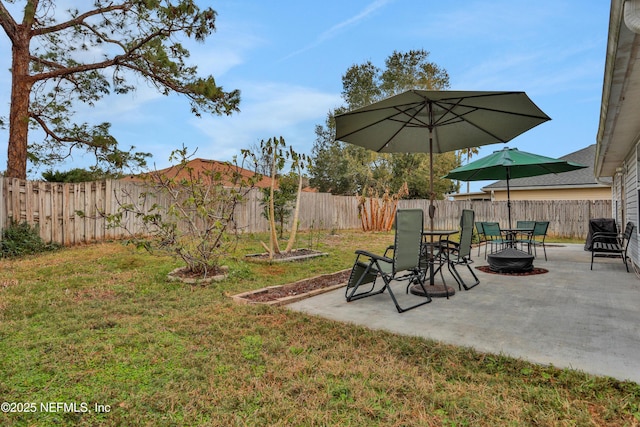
[100,324]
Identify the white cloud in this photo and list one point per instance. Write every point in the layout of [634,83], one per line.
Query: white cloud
[270,110]
[224,50]
[338,28]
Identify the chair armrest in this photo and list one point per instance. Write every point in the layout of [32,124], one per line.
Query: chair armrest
[448,245]
[374,256]
[389,248]
[449,242]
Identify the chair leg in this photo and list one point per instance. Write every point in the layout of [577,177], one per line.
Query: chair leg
[400,309]
[622,255]
[456,275]
[362,273]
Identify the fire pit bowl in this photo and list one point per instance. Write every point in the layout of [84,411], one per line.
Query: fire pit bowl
[510,260]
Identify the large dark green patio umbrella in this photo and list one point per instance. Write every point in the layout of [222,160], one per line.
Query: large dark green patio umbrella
[510,163]
[423,121]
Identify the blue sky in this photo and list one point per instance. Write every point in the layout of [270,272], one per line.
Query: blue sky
[287,57]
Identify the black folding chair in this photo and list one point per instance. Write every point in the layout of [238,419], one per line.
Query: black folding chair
[460,253]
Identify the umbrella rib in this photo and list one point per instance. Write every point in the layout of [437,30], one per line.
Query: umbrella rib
[404,114]
[403,125]
[400,110]
[460,100]
[460,117]
[449,104]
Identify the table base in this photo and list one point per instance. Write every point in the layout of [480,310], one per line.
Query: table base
[434,291]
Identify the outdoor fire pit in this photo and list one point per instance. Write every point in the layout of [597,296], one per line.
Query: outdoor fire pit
[510,260]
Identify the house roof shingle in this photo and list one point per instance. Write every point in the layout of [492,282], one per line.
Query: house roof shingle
[199,166]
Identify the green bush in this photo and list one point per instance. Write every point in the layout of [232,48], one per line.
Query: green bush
[21,239]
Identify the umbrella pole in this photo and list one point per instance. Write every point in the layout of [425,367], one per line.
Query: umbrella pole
[509,195]
[432,208]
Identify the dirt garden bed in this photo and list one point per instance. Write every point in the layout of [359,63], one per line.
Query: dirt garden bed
[294,255]
[285,294]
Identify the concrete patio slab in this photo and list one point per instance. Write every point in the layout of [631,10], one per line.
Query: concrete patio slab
[570,317]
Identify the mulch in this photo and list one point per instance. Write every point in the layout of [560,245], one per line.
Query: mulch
[533,272]
[301,287]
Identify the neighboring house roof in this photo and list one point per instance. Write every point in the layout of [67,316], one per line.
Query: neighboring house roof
[200,166]
[578,178]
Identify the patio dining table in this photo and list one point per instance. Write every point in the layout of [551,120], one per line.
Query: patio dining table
[511,234]
[432,241]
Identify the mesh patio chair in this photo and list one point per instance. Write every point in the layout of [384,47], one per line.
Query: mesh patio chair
[539,235]
[612,245]
[460,253]
[403,264]
[537,238]
[526,240]
[525,224]
[481,237]
[494,236]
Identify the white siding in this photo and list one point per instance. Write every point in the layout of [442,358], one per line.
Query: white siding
[630,210]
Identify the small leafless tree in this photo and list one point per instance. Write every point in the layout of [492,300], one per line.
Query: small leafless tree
[186,213]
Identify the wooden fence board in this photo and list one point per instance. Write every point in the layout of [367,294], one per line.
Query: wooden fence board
[54,207]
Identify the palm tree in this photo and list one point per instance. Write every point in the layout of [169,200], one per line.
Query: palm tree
[469,152]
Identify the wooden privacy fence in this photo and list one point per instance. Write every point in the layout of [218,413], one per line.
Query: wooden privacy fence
[567,218]
[70,213]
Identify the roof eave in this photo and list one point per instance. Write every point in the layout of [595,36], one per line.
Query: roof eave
[618,128]
[546,187]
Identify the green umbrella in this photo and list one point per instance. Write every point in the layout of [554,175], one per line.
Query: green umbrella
[423,121]
[511,163]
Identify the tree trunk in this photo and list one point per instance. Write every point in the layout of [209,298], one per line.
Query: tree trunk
[294,225]
[274,246]
[21,84]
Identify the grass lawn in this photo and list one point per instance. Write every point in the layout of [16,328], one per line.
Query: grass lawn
[100,328]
